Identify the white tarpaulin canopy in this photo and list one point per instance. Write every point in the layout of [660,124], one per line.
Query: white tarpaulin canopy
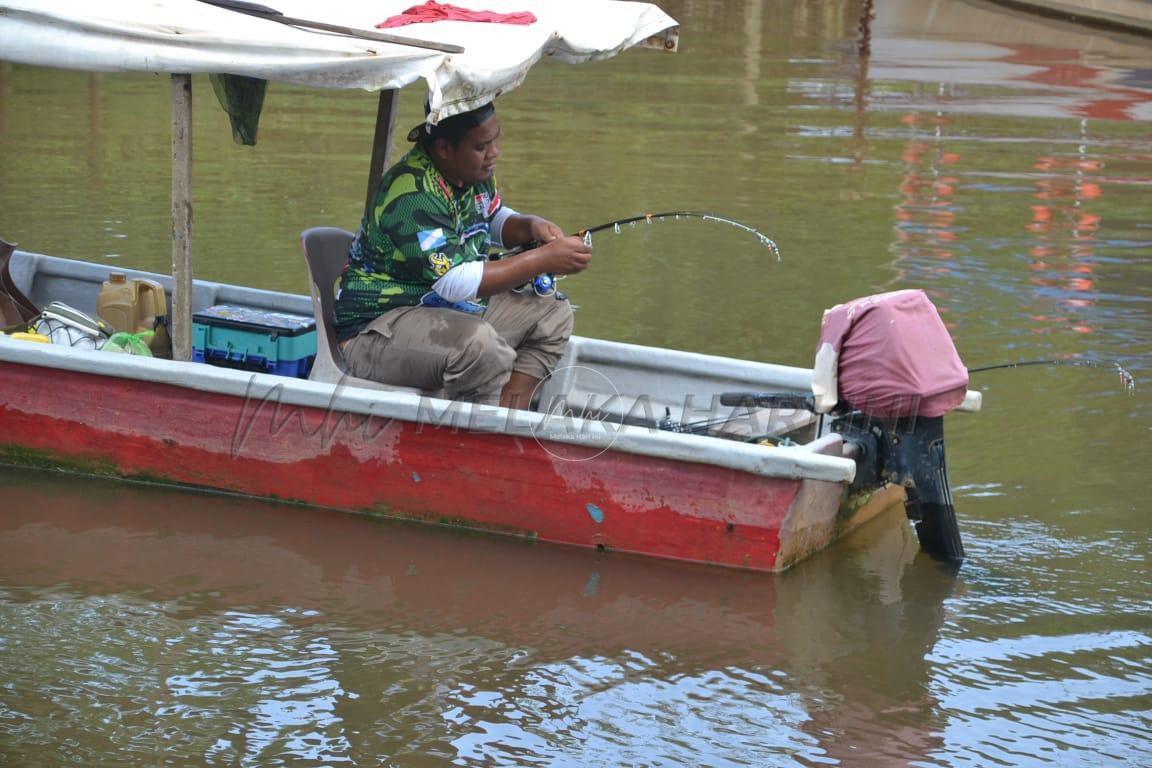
[193,37]
[477,61]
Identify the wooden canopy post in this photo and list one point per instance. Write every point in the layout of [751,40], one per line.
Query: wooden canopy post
[381,143]
[180,317]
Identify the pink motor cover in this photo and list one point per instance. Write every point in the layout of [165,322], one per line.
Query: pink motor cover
[894,357]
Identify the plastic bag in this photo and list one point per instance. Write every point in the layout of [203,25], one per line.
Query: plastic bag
[129,343]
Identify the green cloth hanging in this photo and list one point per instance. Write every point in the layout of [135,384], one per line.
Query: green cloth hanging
[242,98]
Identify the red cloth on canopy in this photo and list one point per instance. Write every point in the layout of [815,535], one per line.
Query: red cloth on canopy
[434,11]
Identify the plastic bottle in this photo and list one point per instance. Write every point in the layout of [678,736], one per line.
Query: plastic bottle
[116,304]
[134,306]
[152,318]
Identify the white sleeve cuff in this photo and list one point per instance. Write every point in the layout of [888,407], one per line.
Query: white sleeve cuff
[496,226]
[461,282]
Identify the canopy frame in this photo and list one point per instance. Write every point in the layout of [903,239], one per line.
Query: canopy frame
[381,143]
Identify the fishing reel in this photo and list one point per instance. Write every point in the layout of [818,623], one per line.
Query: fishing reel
[543,285]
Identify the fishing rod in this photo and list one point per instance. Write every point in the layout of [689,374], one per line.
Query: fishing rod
[648,218]
[792,400]
[1126,378]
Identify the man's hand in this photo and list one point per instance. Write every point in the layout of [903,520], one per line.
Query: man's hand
[564,255]
[561,256]
[524,228]
[544,231]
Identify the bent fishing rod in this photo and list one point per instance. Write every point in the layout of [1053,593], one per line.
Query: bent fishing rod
[648,218]
[617,225]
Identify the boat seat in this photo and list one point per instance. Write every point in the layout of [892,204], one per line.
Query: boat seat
[326,252]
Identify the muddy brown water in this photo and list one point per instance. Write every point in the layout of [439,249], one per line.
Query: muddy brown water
[999,161]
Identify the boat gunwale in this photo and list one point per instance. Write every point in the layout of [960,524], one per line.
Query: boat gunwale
[792,462]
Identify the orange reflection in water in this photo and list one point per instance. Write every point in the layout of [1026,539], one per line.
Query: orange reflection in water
[1065,230]
[926,214]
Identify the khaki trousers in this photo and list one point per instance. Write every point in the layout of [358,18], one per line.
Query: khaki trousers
[463,356]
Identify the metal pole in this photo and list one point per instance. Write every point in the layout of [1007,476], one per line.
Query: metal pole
[180,319]
[381,143]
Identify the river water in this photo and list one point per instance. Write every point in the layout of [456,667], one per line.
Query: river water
[1011,180]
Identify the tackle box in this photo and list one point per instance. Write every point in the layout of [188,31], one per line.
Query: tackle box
[254,340]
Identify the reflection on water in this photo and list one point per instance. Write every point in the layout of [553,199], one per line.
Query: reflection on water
[1010,179]
[230,632]
[184,628]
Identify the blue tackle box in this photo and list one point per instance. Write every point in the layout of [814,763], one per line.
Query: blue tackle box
[254,340]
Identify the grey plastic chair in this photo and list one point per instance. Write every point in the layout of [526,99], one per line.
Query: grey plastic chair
[326,252]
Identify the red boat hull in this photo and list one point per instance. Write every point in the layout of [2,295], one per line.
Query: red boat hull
[501,482]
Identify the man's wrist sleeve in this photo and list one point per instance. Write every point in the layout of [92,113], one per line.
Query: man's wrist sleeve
[461,282]
[499,219]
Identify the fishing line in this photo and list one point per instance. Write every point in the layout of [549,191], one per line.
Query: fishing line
[1126,378]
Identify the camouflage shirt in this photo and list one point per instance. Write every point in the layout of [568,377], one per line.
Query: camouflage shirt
[419,228]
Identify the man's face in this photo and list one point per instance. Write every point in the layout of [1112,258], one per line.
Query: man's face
[472,160]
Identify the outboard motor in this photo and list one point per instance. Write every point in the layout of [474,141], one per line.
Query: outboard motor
[887,371]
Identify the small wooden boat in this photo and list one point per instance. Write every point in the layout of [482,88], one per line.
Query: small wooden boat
[636,449]
[615,463]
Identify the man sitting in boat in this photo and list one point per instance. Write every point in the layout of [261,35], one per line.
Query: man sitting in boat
[419,303]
